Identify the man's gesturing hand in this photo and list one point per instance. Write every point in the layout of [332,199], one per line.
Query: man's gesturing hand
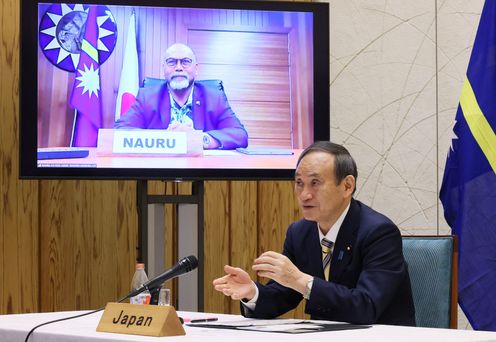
[236,284]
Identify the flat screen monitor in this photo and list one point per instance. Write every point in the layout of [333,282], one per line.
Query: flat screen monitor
[173,90]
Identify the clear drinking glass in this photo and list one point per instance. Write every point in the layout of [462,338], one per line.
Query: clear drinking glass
[164,296]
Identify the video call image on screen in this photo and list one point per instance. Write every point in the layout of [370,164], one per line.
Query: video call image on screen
[254,66]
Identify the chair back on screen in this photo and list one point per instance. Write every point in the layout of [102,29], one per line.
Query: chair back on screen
[432,265]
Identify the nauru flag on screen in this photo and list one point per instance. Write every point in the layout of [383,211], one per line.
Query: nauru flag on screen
[129,83]
[86,91]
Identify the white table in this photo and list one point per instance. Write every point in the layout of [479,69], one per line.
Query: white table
[14,328]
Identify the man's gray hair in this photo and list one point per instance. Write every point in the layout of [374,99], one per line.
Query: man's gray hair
[344,164]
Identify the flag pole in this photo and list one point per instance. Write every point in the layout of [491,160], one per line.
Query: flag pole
[71,144]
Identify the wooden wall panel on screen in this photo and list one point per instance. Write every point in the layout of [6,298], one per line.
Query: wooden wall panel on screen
[168,36]
[250,83]
[59,112]
[302,78]
[266,125]
[147,39]
[244,230]
[216,243]
[235,44]
[155,50]
[44,81]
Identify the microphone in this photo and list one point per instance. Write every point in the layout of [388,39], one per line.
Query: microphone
[183,266]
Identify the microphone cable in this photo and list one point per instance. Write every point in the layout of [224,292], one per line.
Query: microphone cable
[70,317]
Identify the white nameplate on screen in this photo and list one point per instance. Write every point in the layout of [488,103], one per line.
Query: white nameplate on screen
[150,142]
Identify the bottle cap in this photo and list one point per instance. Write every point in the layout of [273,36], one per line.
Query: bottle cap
[140,266]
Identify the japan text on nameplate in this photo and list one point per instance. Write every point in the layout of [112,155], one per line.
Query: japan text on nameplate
[134,319]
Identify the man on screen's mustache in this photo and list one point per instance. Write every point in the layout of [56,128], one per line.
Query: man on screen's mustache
[181,104]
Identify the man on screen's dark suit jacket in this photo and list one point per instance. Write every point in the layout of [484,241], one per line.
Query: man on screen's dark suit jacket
[369,281]
[211,113]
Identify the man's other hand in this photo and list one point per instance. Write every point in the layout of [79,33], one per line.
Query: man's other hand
[236,284]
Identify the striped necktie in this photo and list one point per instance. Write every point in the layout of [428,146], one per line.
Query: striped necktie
[326,256]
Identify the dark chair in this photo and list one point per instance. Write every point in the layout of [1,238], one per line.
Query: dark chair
[150,81]
[432,265]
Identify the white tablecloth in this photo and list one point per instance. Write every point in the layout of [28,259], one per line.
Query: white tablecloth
[14,328]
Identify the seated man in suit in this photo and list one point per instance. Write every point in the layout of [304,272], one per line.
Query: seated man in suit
[344,258]
[181,104]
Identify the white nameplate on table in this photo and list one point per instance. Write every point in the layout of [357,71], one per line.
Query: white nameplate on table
[149,142]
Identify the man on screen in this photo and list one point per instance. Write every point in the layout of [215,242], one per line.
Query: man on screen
[181,104]
[344,258]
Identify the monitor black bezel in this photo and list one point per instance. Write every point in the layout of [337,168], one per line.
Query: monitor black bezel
[28,168]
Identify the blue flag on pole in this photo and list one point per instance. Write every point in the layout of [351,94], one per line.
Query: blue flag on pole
[468,191]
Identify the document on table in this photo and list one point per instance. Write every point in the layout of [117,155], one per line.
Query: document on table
[291,326]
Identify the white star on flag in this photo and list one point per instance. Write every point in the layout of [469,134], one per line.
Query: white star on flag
[453,137]
[89,80]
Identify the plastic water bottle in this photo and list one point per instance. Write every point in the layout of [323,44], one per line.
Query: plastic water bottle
[140,278]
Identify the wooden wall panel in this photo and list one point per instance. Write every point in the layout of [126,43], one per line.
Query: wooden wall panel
[243,229]
[216,244]
[88,239]
[18,199]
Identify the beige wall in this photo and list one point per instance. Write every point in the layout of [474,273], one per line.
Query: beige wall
[396,73]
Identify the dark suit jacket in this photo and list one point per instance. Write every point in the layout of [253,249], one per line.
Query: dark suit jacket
[369,281]
[211,114]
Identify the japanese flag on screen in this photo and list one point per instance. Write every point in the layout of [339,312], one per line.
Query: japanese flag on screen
[129,83]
